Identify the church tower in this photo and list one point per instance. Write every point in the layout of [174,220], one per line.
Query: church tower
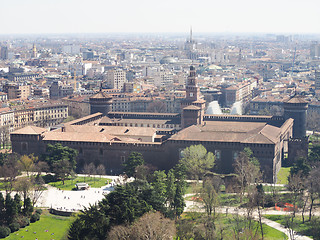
[34,51]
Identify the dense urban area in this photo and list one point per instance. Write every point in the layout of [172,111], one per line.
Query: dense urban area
[160,136]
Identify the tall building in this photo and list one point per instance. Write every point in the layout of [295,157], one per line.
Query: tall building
[317,79]
[34,51]
[116,78]
[17,91]
[4,53]
[60,90]
[315,50]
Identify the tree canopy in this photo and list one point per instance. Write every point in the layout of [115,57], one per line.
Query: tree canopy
[135,159]
[61,160]
[197,161]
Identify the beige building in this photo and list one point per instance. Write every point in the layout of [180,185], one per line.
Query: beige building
[116,78]
[15,91]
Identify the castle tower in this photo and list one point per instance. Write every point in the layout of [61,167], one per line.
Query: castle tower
[100,102]
[296,108]
[192,106]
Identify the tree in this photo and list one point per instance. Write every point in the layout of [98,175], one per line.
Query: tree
[11,209]
[26,164]
[301,166]
[37,189]
[313,186]
[247,169]
[101,170]
[27,207]
[92,170]
[62,169]
[10,170]
[197,161]
[209,193]
[170,188]
[23,186]
[135,159]
[61,160]
[2,209]
[157,107]
[152,225]
[18,202]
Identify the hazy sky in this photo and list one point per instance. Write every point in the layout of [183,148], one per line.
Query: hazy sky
[100,16]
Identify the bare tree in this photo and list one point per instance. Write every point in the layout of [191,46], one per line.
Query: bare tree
[157,107]
[23,186]
[86,171]
[10,170]
[37,189]
[152,225]
[119,232]
[101,170]
[313,186]
[92,170]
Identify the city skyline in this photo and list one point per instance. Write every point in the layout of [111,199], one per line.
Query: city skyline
[97,16]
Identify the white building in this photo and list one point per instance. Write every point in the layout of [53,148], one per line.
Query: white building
[116,78]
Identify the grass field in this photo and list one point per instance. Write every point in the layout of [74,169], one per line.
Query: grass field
[49,227]
[228,225]
[283,174]
[311,229]
[70,184]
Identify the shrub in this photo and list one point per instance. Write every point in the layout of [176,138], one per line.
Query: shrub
[35,217]
[4,231]
[14,226]
[49,178]
[39,211]
[24,221]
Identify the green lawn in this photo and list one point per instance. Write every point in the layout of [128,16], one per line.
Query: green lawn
[311,229]
[272,188]
[70,184]
[49,227]
[228,225]
[283,174]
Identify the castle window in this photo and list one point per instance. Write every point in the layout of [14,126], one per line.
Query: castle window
[101,151]
[217,153]
[24,146]
[80,151]
[123,159]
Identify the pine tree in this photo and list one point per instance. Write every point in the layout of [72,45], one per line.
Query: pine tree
[2,210]
[18,202]
[27,207]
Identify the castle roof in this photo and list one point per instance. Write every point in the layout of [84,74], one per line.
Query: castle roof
[242,132]
[191,107]
[31,130]
[296,99]
[99,95]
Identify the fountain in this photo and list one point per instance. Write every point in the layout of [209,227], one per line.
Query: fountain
[214,108]
[236,108]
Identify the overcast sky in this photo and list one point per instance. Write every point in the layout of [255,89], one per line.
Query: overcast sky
[103,16]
